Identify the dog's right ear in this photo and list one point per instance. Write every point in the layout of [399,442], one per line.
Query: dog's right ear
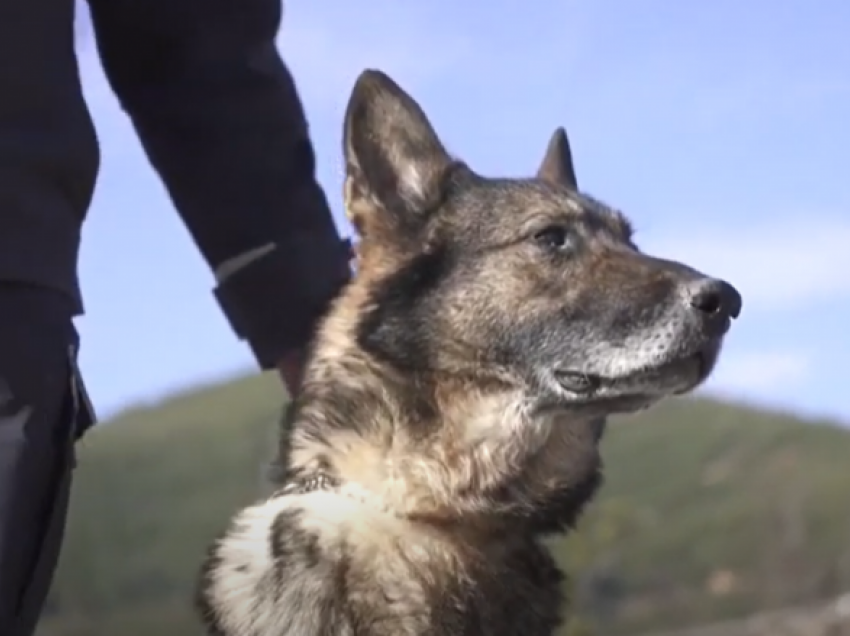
[395,162]
[557,167]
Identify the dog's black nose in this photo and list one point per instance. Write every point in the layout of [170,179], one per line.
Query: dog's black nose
[715,299]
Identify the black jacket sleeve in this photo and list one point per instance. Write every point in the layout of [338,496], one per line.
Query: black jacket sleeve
[220,120]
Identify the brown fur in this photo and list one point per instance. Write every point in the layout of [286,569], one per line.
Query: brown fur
[455,396]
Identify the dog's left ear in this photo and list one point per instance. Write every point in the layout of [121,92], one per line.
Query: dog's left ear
[395,162]
[557,167]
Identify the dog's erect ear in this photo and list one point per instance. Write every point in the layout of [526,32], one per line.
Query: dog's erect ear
[395,162]
[557,167]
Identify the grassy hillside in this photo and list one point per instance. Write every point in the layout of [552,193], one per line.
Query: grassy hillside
[709,511]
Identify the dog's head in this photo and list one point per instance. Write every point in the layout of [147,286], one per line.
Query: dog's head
[528,282]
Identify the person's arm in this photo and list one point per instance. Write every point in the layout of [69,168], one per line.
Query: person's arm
[220,119]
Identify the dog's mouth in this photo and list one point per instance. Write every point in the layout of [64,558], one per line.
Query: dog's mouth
[641,387]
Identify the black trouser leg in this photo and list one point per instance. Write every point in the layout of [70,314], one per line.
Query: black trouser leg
[42,412]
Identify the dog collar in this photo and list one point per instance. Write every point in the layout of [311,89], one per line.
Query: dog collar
[307,484]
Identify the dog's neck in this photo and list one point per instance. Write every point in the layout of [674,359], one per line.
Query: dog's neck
[447,448]
[450,455]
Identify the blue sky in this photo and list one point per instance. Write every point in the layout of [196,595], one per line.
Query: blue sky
[720,128]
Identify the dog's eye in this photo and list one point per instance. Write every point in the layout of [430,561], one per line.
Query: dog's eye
[555,237]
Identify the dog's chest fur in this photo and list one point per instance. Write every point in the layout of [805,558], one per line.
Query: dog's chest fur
[373,533]
[329,563]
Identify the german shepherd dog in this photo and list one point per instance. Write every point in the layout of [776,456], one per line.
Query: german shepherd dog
[451,411]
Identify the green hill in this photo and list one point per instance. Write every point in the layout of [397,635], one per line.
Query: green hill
[709,511]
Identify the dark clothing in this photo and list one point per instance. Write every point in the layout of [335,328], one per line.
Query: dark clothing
[219,117]
[43,410]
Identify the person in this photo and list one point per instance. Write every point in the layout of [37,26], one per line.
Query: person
[220,119]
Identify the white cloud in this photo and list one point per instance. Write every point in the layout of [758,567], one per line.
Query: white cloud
[787,262]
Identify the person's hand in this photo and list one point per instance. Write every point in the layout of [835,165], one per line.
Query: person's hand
[291,370]
[291,366]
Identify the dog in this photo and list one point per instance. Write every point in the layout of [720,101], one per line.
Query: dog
[451,410]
